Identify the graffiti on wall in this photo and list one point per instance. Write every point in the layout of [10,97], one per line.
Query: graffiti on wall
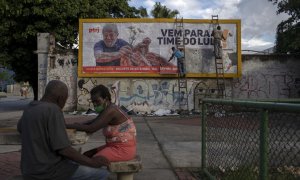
[156,94]
[147,95]
[261,78]
[63,68]
[83,94]
[42,76]
[137,93]
[267,85]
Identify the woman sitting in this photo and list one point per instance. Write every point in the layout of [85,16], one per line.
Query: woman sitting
[118,128]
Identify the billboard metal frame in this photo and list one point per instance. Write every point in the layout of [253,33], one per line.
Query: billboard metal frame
[237,23]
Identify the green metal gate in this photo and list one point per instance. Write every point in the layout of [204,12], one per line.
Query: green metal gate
[244,139]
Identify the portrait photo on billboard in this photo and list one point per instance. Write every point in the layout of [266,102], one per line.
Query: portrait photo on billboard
[145,47]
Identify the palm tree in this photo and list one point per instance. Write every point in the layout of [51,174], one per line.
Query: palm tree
[160,11]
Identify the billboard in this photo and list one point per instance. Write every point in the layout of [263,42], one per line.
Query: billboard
[142,47]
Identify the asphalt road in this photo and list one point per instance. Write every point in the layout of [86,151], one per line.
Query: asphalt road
[13,103]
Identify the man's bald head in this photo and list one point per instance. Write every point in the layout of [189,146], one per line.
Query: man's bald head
[57,92]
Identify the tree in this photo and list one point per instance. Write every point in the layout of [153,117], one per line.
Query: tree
[160,11]
[288,31]
[143,11]
[21,20]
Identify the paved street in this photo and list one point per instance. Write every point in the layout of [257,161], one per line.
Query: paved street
[13,103]
[167,145]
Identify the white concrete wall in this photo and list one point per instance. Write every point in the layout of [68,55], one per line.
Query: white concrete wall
[263,77]
[42,53]
[143,94]
[63,67]
[268,77]
[57,64]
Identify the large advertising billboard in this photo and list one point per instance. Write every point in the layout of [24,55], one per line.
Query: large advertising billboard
[143,47]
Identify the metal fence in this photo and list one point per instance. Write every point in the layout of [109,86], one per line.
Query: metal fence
[250,140]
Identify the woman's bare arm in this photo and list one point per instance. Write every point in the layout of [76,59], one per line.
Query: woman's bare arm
[98,123]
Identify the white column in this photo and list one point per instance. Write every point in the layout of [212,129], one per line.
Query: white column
[42,52]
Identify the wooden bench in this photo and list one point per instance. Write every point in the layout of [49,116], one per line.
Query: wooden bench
[126,169]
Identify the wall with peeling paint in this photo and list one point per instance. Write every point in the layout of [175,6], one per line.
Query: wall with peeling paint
[63,67]
[43,45]
[57,64]
[268,76]
[150,94]
[262,77]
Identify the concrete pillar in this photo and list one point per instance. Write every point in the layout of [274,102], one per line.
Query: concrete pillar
[126,169]
[42,52]
[16,89]
[10,88]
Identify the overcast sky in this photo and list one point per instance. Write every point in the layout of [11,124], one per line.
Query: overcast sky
[259,18]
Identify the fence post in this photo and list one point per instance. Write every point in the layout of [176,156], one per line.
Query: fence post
[263,147]
[203,125]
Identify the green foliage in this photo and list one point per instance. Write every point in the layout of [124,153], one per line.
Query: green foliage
[288,40]
[160,11]
[143,11]
[21,20]
[288,31]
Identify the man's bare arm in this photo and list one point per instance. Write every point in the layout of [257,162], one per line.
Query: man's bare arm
[107,56]
[74,155]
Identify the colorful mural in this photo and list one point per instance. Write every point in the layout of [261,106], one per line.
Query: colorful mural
[261,80]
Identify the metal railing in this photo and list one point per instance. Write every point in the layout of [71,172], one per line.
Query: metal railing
[250,139]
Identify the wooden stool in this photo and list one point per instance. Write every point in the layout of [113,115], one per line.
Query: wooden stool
[126,169]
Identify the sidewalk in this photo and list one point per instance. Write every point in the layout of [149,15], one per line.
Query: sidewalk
[167,145]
